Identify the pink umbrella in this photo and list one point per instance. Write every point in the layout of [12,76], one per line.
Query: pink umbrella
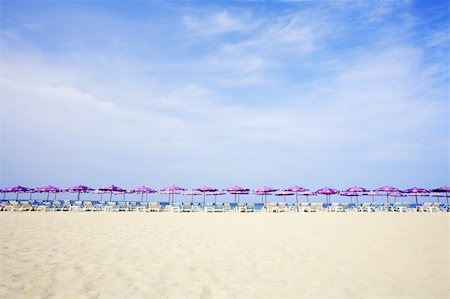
[215,194]
[415,191]
[111,189]
[236,191]
[387,190]
[444,189]
[264,191]
[80,189]
[284,194]
[297,190]
[205,189]
[48,189]
[143,190]
[192,194]
[171,190]
[327,192]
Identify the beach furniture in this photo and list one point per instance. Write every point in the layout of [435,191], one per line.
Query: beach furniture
[25,206]
[316,207]
[345,207]
[12,206]
[176,207]
[435,207]
[271,207]
[77,206]
[132,206]
[218,207]
[250,207]
[110,207]
[186,207]
[208,207]
[57,206]
[425,207]
[366,207]
[44,207]
[227,207]
[241,207]
[123,206]
[335,207]
[386,207]
[305,207]
[396,207]
[142,207]
[376,206]
[67,205]
[282,207]
[88,206]
[195,207]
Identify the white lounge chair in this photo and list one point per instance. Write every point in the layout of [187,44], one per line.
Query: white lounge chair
[271,207]
[425,207]
[316,207]
[208,207]
[227,207]
[218,207]
[25,206]
[186,207]
[12,206]
[367,207]
[88,206]
[435,207]
[241,207]
[335,207]
[250,208]
[305,207]
[282,207]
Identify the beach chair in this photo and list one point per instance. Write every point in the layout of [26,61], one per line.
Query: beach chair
[345,207]
[57,206]
[110,207]
[132,206]
[227,207]
[386,207]
[186,207]
[425,207]
[305,207]
[376,206]
[122,207]
[77,206]
[366,207]
[282,207]
[195,207]
[88,206]
[250,208]
[208,207]
[176,207]
[316,207]
[396,207]
[12,206]
[142,207]
[335,207]
[25,206]
[218,207]
[67,205]
[435,207]
[241,207]
[44,206]
[271,207]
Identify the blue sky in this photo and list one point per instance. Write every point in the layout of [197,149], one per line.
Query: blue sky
[315,94]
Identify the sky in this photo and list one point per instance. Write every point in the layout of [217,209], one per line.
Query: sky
[308,93]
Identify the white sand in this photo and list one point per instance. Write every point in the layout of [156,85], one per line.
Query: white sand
[135,255]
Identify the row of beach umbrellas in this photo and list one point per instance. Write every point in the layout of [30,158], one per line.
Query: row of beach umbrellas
[236,191]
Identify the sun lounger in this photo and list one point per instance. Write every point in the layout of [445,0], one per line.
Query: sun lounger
[195,207]
[282,207]
[44,207]
[305,207]
[186,207]
[57,206]
[345,207]
[67,205]
[316,207]
[335,207]
[366,207]
[435,207]
[25,206]
[176,207]
[241,207]
[425,207]
[110,207]
[376,206]
[77,206]
[271,207]
[12,206]
[218,207]
[227,207]
[250,207]
[123,206]
[208,207]
[88,206]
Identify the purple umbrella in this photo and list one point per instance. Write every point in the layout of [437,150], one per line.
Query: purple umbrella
[143,190]
[387,190]
[192,194]
[16,189]
[327,192]
[350,194]
[205,189]
[171,190]
[444,189]
[373,194]
[416,191]
[356,190]
[297,190]
[80,189]
[111,189]
[48,189]
[396,194]
[284,194]
[215,194]
[264,191]
[307,194]
[236,191]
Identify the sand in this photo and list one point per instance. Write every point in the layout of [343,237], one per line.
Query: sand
[294,255]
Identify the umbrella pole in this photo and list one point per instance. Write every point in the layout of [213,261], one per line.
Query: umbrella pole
[31,194]
[48,194]
[357,202]
[17,196]
[307,198]
[110,197]
[296,201]
[78,197]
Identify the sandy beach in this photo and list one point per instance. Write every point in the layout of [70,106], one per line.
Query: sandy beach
[165,255]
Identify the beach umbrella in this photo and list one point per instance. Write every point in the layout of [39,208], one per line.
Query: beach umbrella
[284,194]
[307,194]
[356,190]
[111,189]
[80,189]
[205,189]
[327,192]
[416,191]
[444,189]
[396,194]
[350,194]
[17,189]
[192,194]
[236,191]
[373,194]
[238,195]
[264,191]
[143,190]
[48,189]
[171,190]
[297,190]
[99,192]
[215,194]
[387,190]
